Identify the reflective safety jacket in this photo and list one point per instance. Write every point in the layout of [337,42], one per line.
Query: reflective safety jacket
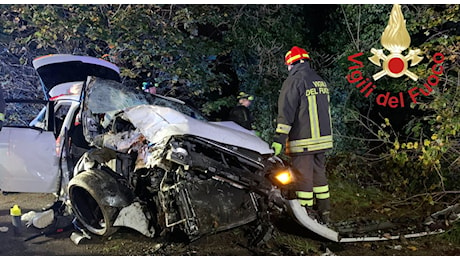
[304,113]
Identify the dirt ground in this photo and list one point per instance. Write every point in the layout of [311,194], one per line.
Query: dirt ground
[289,240]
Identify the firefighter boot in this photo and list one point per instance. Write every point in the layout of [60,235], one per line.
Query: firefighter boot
[324,207]
[313,214]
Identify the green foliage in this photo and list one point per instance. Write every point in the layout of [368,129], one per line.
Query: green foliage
[296,245]
[203,53]
[427,156]
[259,39]
[355,198]
[419,152]
[217,104]
[453,234]
[148,42]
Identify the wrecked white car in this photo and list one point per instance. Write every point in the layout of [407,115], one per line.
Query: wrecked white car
[159,166]
[117,156]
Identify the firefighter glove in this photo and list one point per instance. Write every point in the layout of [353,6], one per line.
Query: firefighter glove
[279,142]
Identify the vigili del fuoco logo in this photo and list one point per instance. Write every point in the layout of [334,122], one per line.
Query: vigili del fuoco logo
[395,40]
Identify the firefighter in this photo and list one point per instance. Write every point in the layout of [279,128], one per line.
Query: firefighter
[304,132]
[240,114]
[2,108]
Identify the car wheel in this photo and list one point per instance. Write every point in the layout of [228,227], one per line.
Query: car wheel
[87,204]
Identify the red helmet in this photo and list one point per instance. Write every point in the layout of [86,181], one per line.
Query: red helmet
[295,54]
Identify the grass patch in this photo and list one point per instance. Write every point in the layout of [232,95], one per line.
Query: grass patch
[348,199]
[295,245]
[452,235]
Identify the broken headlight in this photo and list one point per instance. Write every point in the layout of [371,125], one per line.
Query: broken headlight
[282,176]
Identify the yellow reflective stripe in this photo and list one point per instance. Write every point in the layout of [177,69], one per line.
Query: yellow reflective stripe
[298,56]
[315,147]
[330,119]
[298,146]
[314,121]
[323,196]
[294,150]
[306,142]
[321,189]
[2,116]
[304,194]
[304,203]
[283,129]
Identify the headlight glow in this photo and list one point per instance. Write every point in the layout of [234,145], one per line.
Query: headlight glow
[283,177]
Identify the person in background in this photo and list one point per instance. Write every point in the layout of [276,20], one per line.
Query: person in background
[2,108]
[304,130]
[240,114]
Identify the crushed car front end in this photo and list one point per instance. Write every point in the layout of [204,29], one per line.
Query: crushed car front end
[159,167]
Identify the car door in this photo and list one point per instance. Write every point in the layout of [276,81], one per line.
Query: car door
[28,161]
[29,152]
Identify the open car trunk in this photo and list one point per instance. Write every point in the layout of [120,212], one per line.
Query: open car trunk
[57,69]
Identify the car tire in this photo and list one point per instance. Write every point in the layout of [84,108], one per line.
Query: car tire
[87,201]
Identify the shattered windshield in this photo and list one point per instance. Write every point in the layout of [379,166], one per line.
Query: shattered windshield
[111,96]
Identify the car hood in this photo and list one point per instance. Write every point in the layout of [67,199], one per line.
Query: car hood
[157,123]
[56,69]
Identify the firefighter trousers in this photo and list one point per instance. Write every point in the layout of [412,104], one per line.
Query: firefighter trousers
[312,185]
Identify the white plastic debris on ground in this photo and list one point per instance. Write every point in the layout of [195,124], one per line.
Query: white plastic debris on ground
[38,219]
[77,237]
